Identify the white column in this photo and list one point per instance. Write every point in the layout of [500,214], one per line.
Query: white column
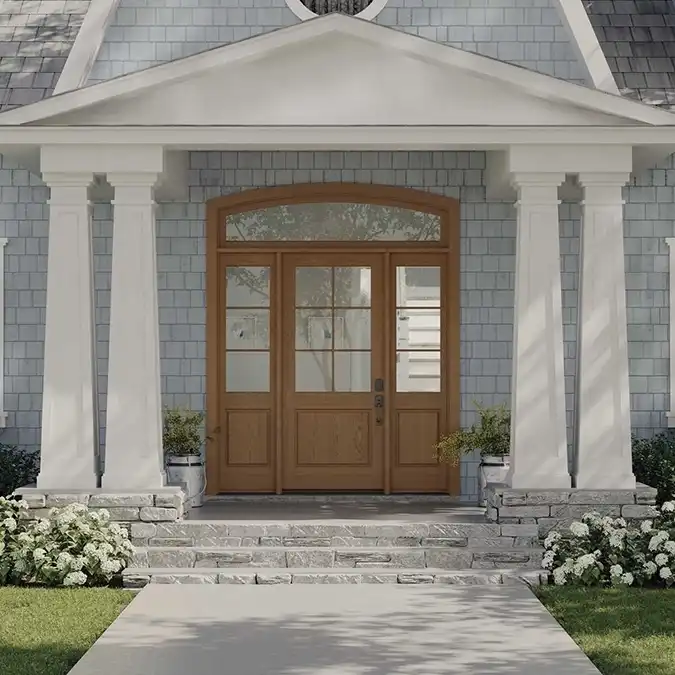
[538,423]
[603,400]
[134,456]
[69,444]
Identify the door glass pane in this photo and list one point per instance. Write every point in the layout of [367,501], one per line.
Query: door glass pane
[248,286]
[313,329]
[418,371]
[352,371]
[352,286]
[418,286]
[333,222]
[247,329]
[247,372]
[313,287]
[352,329]
[418,328]
[314,371]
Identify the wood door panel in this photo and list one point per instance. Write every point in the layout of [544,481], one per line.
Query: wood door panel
[336,437]
[249,438]
[417,431]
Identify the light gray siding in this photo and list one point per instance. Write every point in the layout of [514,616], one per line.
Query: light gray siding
[527,33]
[487,263]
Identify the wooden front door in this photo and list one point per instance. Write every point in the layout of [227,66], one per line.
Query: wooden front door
[330,366]
[333,316]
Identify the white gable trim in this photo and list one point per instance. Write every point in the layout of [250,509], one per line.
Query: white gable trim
[534,83]
[87,45]
[586,45]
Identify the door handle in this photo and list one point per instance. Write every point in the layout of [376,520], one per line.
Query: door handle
[379,409]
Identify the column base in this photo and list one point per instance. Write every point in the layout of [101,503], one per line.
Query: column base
[558,509]
[133,482]
[155,505]
[66,481]
[527,480]
[606,481]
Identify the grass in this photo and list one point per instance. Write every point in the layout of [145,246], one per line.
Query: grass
[627,631]
[46,631]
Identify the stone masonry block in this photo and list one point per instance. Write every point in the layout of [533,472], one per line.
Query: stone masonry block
[143,530]
[168,501]
[514,498]
[602,497]
[524,512]
[65,499]
[542,497]
[645,495]
[528,530]
[639,511]
[578,510]
[123,513]
[156,513]
[107,501]
[35,501]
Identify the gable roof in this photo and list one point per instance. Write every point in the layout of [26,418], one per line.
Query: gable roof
[638,39]
[314,35]
[35,41]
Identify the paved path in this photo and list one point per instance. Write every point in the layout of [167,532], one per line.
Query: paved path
[334,630]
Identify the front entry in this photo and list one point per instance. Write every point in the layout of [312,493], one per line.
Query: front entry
[332,366]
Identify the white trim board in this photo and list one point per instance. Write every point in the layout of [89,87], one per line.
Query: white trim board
[3,412]
[536,84]
[87,45]
[586,45]
[670,242]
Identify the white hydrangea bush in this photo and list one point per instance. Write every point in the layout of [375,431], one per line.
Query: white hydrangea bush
[72,547]
[11,526]
[611,552]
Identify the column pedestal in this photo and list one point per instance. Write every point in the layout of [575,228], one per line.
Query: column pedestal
[538,420]
[134,454]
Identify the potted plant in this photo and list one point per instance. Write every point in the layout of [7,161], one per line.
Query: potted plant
[490,436]
[182,449]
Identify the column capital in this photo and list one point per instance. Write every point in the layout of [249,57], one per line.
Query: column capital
[133,179]
[537,179]
[603,179]
[68,178]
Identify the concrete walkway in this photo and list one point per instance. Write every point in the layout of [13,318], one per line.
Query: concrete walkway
[334,630]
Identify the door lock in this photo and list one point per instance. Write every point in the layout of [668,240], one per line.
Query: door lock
[379,409]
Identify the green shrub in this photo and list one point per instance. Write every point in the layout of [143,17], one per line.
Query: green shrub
[654,463]
[18,468]
[182,432]
[491,436]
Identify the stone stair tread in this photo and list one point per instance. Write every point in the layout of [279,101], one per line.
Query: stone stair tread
[138,577]
[341,549]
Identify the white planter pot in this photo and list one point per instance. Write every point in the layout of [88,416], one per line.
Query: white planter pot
[492,470]
[189,470]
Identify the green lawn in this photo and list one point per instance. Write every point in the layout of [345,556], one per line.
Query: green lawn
[623,631]
[46,631]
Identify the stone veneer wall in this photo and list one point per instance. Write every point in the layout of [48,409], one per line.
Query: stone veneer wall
[557,509]
[527,33]
[164,505]
[487,262]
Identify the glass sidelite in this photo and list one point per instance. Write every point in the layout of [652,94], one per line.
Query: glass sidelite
[247,329]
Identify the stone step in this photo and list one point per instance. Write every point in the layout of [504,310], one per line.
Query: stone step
[322,557]
[139,577]
[329,534]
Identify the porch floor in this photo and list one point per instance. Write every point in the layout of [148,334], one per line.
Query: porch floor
[285,508]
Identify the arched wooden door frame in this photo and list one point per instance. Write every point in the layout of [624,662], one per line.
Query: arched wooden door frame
[217,210]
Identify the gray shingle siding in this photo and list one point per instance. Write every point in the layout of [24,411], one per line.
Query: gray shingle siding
[524,32]
[35,39]
[638,39]
[487,264]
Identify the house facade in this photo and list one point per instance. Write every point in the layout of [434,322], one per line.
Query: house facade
[333,226]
